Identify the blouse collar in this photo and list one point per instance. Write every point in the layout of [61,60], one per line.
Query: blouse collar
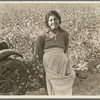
[49,30]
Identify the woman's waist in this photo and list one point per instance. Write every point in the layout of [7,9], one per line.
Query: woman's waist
[53,45]
[54,50]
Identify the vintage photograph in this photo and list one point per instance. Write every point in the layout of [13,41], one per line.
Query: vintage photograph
[50,48]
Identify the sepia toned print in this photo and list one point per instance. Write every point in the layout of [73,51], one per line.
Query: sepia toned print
[21,71]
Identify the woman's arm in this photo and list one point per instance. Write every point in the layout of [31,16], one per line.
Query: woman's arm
[66,42]
[40,47]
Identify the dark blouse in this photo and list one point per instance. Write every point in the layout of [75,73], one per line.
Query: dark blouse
[51,40]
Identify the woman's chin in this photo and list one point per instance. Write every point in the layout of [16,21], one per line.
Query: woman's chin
[54,28]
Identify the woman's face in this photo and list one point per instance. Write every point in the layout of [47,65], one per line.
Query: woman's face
[53,22]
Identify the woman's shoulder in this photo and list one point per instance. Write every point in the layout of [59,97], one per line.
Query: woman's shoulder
[65,32]
[44,32]
[42,36]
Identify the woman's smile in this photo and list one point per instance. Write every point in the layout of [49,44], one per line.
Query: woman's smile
[53,22]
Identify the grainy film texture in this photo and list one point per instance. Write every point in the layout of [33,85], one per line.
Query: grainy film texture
[21,23]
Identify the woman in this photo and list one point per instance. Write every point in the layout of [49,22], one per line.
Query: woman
[51,48]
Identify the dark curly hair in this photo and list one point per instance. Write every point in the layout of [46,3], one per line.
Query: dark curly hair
[49,14]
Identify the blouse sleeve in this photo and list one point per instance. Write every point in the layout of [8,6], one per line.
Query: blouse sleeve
[39,47]
[66,42]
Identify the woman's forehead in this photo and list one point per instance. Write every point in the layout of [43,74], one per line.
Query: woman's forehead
[52,17]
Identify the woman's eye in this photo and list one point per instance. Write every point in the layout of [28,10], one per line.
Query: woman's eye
[51,20]
[55,19]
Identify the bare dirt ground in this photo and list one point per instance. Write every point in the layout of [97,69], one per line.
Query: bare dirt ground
[89,86]
[83,86]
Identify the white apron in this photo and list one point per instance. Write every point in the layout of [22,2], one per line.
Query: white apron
[59,75]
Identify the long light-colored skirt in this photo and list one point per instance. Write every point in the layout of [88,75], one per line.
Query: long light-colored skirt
[59,75]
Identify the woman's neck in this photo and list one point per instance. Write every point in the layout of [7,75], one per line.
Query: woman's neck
[55,30]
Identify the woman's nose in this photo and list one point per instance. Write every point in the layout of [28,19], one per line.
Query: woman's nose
[53,21]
